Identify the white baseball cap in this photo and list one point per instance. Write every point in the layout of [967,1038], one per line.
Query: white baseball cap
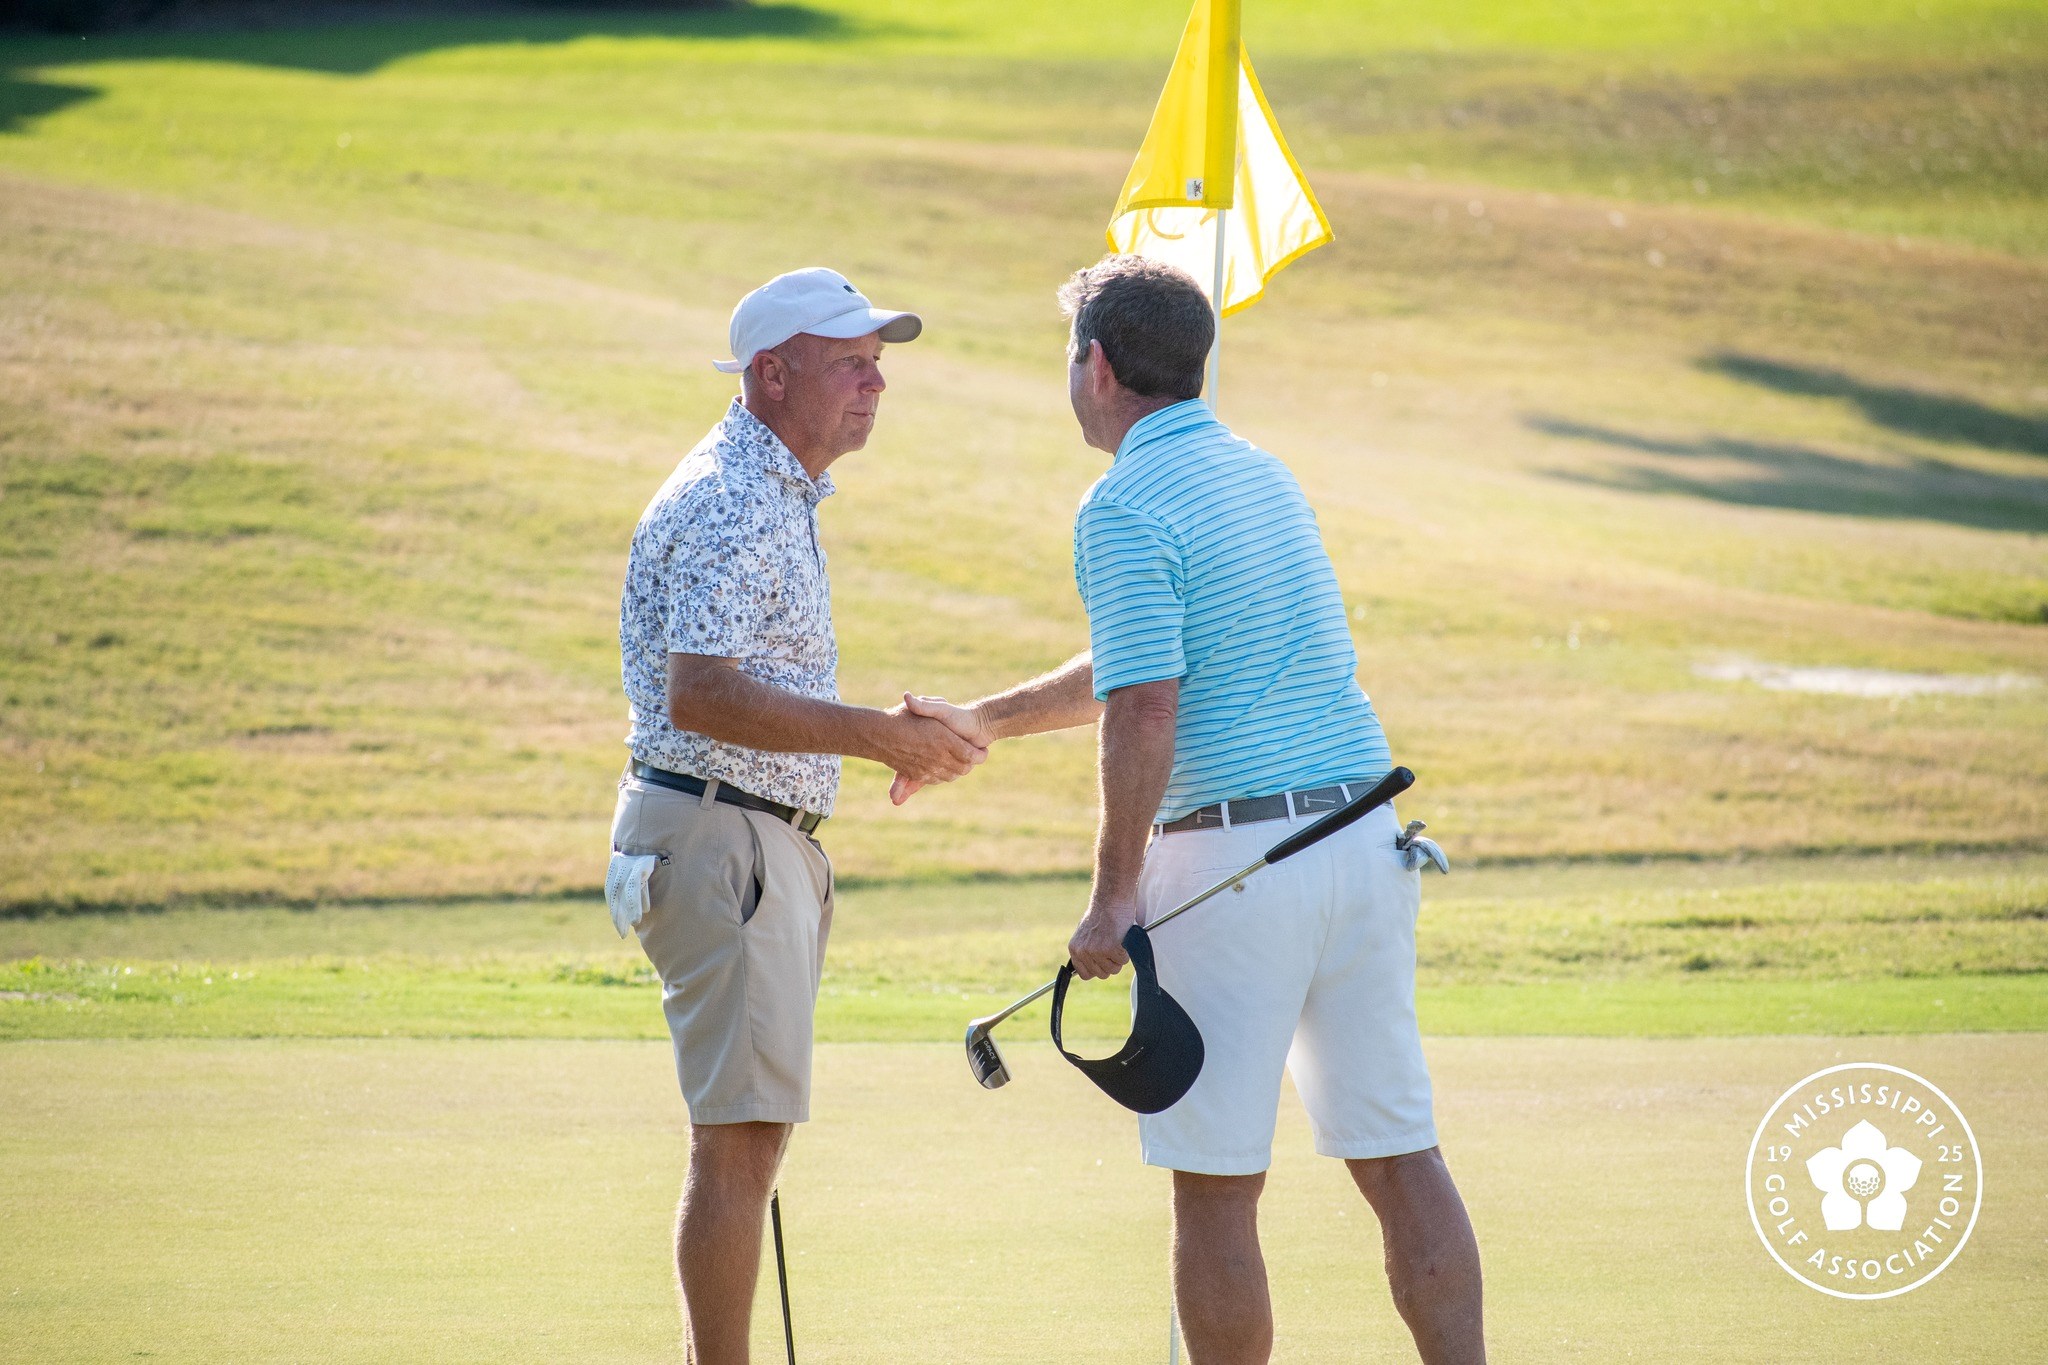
[816,301]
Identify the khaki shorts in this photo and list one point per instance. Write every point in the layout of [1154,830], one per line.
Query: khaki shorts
[738,911]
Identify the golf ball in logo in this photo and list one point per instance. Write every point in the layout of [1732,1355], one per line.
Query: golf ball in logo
[1864,1181]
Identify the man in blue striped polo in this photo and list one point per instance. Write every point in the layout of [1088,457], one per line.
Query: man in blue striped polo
[1223,673]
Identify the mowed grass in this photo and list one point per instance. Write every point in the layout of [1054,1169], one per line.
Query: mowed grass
[335,367]
[1892,116]
[1841,946]
[430,1201]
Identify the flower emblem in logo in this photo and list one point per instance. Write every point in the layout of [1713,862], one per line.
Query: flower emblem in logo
[1863,1181]
[1813,1138]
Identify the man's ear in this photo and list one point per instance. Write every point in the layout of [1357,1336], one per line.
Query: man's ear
[1101,378]
[771,374]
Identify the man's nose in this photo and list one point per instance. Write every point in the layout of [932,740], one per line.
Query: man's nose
[873,382]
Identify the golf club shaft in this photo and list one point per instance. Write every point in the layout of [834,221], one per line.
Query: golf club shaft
[1388,787]
[1392,785]
[1182,908]
[998,1018]
[781,1273]
[1232,880]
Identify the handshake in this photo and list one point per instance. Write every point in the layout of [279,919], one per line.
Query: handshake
[929,740]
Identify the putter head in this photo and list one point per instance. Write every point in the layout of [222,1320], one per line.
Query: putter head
[982,1057]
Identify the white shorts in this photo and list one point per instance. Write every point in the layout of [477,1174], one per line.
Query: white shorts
[1309,965]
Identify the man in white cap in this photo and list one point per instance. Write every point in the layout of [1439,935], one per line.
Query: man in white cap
[725,632]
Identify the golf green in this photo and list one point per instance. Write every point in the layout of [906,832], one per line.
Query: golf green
[509,1201]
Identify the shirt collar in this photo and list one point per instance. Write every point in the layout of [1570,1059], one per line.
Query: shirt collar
[757,444]
[1168,421]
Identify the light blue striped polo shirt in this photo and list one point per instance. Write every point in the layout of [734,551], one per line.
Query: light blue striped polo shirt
[1198,558]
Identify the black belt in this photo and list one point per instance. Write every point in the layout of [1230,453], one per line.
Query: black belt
[1313,801]
[804,820]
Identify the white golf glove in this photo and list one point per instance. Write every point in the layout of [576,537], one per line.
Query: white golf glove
[1419,852]
[625,888]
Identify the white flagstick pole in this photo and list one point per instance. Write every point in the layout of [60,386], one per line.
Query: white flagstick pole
[1216,303]
[1209,393]
[1215,378]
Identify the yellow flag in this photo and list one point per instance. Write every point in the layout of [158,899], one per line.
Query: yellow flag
[1213,147]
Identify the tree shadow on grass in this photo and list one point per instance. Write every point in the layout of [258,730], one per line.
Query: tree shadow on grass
[353,40]
[23,100]
[1911,412]
[1807,480]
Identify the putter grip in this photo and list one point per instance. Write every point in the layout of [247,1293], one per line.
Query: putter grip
[1390,786]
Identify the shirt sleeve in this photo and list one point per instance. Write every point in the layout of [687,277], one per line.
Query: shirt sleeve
[1130,574]
[722,586]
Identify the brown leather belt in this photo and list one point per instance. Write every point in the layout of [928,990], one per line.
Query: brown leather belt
[804,820]
[1230,814]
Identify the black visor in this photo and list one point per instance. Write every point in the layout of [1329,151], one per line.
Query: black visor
[1163,1055]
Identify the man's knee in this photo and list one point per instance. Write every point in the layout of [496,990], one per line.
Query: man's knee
[738,1155]
[1379,1177]
[1193,1192]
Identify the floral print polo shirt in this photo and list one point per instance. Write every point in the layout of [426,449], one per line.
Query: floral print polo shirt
[726,562]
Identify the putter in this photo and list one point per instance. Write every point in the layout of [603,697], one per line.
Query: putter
[781,1273]
[987,1062]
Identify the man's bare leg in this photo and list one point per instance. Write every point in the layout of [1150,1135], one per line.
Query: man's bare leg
[718,1234]
[1432,1257]
[1219,1274]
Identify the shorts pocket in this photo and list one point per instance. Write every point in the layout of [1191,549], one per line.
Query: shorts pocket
[1175,887]
[654,851]
[752,901]
[751,888]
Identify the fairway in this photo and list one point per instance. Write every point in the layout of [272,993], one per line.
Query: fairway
[336,367]
[364,1201]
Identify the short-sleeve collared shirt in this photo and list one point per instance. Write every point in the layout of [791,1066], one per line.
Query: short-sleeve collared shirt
[1198,558]
[726,562]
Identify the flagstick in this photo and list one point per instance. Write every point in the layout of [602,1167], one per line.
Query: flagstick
[1215,377]
[1216,302]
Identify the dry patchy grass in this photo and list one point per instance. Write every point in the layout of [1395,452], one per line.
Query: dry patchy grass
[319,462]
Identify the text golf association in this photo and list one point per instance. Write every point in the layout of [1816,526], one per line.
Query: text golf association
[1929,1244]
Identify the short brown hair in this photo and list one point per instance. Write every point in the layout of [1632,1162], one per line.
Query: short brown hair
[1152,319]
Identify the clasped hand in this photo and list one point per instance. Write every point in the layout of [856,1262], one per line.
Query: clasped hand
[932,741]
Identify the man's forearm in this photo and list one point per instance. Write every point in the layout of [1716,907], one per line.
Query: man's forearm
[732,708]
[1137,759]
[1058,700]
